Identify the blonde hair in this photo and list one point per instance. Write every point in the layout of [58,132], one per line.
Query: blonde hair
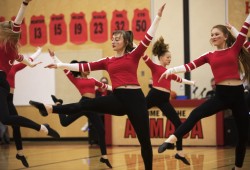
[8,36]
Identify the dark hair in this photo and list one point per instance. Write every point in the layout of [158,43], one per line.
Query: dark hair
[160,48]
[104,78]
[128,39]
[244,56]
[76,73]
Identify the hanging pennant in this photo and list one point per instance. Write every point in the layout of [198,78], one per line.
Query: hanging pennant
[78,28]
[140,23]
[119,21]
[38,31]
[98,27]
[57,29]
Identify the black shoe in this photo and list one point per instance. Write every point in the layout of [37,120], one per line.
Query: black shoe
[23,160]
[165,146]
[55,100]
[183,159]
[40,107]
[106,161]
[52,132]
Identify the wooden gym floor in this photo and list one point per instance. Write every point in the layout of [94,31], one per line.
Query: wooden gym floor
[79,155]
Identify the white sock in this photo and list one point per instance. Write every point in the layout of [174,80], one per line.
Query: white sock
[20,152]
[104,156]
[44,129]
[171,139]
[180,153]
[85,127]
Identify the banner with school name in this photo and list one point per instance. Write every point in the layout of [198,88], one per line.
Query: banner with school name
[202,134]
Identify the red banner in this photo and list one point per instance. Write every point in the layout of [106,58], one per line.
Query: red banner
[247,7]
[78,28]
[38,31]
[140,23]
[57,30]
[119,21]
[98,27]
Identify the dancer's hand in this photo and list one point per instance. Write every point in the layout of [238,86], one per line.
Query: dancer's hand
[193,82]
[39,50]
[54,57]
[35,64]
[51,66]
[229,26]
[161,10]
[166,74]
[51,53]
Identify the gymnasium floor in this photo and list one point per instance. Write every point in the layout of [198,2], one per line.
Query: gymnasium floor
[79,155]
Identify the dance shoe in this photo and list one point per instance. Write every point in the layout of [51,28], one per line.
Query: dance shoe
[106,161]
[52,132]
[40,107]
[23,160]
[183,159]
[165,146]
[56,100]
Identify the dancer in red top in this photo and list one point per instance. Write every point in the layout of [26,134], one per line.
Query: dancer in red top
[229,93]
[127,97]
[9,37]
[12,109]
[159,94]
[86,87]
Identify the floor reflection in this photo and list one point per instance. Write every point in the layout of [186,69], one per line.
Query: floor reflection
[79,155]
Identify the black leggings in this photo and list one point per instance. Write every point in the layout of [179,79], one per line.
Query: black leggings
[226,97]
[120,102]
[16,129]
[94,118]
[6,117]
[160,99]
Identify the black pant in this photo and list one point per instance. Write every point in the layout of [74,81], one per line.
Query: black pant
[120,102]
[16,129]
[6,108]
[95,119]
[160,99]
[226,97]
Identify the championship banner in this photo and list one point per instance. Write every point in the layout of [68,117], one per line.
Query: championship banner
[140,23]
[203,133]
[99,27]
[78,28]
[119,21]
[57,29]
[38,31]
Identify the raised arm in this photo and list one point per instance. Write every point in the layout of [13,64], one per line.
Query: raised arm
[241,38]
[141,48]
[235,33]
[20,15]
[148,61]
